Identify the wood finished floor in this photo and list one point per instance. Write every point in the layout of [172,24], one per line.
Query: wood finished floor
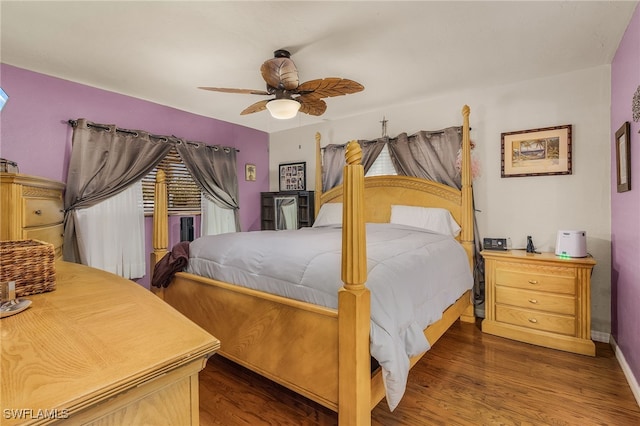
[467,378]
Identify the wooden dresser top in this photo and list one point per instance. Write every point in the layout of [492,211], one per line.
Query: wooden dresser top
[93,337]
[23,179]
[522,255]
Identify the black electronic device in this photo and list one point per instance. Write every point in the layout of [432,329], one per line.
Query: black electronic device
[494,243]
[186,228]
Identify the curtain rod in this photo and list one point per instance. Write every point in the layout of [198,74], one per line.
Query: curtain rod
[431,132]
[74,123]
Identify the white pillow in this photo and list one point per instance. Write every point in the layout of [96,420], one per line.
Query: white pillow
[434,219]
[329,214]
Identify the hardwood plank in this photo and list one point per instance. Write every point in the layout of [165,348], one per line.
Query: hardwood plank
[467,378]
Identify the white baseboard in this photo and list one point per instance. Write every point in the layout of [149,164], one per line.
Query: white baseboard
[600,336]
[633,383]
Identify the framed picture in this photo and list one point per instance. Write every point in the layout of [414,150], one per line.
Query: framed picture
[293,176]
[537,152]
[250,172]
[623,158]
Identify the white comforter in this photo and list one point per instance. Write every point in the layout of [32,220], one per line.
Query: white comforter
[413,276]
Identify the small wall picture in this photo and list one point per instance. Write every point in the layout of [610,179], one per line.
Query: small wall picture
[623,158]
[250,172]
[537,152]
[293,177]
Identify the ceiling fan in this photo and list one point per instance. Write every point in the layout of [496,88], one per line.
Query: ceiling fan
[281,76]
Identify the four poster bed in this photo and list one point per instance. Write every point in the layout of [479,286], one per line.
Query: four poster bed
[324,352]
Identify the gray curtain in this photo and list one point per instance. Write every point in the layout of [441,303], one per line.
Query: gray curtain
[105,161]
[433,156]
[428,155]
[333,160]
[213,168]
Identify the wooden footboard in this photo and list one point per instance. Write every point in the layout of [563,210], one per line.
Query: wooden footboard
[290,342]
[318,352]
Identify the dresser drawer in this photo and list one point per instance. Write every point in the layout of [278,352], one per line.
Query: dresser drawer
[538,279]
[42,211]
[537,320]
[49,234]
[554,303]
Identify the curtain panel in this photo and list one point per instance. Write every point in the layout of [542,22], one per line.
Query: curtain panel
[214,219]
[213,168]
[428,155]
[333,160]
[104,161]
[111,234]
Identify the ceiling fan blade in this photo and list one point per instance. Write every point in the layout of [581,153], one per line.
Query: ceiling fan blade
[312,105]
[257,107]
[242,91]
[329,87]
[280,73]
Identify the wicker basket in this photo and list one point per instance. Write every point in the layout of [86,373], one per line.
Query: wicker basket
[30,263]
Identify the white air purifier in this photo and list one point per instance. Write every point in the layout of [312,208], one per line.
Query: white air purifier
[571,244]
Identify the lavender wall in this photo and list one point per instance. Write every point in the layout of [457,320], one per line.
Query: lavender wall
[625,206]
[34,132]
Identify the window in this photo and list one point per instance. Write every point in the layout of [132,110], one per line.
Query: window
[182,192]
[383,164]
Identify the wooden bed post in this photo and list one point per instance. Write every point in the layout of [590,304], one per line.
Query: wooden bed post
[354,304]
[318,183]
[160,226]
[467,235]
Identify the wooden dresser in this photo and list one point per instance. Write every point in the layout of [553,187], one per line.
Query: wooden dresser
[100,350]
[32,208]
[541,299]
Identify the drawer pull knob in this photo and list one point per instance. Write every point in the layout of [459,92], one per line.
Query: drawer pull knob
[533,301]
[533,320]
[38,212]
[533,282]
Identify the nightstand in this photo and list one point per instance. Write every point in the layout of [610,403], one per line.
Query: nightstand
[542,299]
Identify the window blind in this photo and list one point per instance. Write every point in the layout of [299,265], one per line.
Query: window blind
[182,192]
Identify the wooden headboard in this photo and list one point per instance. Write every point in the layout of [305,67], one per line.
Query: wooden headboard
[381,192]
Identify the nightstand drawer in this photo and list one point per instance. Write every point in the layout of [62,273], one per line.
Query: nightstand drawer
[539,281]
[42,211]
[537,320]
[554,303]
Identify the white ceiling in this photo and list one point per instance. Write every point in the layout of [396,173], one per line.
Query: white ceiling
[400,51]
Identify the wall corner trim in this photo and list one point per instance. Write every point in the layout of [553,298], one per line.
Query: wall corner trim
[633,382]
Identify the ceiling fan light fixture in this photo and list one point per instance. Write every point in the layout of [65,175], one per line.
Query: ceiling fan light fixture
[283,109]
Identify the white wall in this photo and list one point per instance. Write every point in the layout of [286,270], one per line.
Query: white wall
[510,207]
